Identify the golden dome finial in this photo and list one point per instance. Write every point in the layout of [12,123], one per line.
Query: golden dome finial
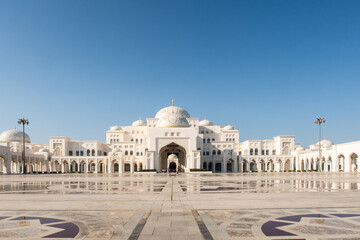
[172,102]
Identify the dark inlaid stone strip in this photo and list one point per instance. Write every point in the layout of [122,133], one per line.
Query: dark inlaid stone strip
[270,229]
[70,230]
[203,229]
[139,227]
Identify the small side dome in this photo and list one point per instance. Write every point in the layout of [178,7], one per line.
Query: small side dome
[229,127]
[14,135]
[172,157]
[115,128]
[300,148]
[325,143]
[205,123]
[139,123]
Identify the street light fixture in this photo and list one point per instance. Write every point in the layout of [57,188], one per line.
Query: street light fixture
[319,121]
[23,121]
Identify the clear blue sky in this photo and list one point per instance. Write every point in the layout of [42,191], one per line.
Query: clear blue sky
[74,68]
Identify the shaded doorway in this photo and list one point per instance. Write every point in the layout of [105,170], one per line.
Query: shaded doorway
[116,168]
[172,167]
[127,167]
[218,167]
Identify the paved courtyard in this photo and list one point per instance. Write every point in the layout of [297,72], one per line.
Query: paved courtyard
[187,206]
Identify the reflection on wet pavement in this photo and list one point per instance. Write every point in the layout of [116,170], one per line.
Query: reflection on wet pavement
[201,184]
[78,187]
[278,183]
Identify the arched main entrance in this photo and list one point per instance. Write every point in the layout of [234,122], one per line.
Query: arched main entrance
[175,149]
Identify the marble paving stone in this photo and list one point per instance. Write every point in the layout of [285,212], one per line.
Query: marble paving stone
[184,206]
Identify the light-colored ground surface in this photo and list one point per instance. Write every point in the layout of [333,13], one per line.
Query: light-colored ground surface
[187,206]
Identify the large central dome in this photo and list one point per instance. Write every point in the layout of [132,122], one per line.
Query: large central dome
[172,116]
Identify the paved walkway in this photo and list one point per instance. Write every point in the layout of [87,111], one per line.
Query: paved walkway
[175,219]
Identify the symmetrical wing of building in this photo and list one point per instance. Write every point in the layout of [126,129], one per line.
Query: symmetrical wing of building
[172,140]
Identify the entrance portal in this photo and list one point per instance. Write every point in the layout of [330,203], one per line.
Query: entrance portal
[172,153]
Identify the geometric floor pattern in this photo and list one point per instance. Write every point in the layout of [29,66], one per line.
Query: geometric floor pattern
[193,206]
[284,224]
[63,224]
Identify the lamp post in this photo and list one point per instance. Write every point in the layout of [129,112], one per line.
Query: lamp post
[319,121]
[23,121]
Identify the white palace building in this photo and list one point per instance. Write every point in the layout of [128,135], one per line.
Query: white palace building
[173,140]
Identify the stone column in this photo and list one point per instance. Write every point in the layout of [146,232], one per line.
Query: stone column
[152,161]
[121,165]
[258,166]
[347,163]
[224,166]
[156,162]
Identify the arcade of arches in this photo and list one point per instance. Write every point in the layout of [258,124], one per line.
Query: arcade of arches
[342,162]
